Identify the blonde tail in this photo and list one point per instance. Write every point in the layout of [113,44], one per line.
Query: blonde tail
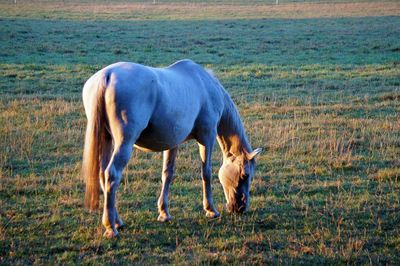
[94,143]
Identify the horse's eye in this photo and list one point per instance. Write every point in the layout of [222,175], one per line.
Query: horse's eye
[245,176]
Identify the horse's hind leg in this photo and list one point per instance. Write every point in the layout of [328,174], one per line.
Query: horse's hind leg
[113,173]
[105,160]
[167,176]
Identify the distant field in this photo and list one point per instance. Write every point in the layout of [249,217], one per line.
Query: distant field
[199,10]
[317,85]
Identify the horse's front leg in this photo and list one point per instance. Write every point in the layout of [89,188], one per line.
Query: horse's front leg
[112,178]
[166,176]
[208,204]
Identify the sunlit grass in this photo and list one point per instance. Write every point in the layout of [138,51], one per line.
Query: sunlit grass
[198,10]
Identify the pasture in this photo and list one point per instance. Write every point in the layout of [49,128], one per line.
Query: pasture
[317,85]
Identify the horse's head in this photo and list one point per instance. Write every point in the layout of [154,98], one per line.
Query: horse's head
[235,176]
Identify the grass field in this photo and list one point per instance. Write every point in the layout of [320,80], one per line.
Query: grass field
[319,90]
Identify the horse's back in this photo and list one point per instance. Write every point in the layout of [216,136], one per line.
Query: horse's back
[183,79]
[184,66]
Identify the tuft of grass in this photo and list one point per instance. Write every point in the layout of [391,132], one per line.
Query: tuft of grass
[388,174]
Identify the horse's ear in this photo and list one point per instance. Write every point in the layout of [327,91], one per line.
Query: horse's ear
[254,153]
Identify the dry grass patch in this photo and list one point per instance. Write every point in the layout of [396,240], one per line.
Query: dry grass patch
[183,11]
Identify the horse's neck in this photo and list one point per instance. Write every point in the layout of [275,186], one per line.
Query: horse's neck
[231,134]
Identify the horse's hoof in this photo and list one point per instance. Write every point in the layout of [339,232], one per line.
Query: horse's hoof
[109,233]
[212,214]
[164,218]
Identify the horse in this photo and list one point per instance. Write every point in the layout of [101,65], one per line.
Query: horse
[130,105]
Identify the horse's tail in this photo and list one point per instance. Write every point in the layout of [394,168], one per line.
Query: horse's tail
[93,97]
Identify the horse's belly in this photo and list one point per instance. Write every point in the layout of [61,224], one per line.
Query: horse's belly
[155,138]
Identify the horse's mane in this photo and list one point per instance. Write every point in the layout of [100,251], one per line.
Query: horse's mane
[230,123]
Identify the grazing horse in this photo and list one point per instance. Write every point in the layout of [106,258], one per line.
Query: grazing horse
[155,109]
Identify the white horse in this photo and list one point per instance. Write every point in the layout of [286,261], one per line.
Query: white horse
[156,109]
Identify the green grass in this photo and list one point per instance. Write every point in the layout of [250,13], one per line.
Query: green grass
[321,95]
